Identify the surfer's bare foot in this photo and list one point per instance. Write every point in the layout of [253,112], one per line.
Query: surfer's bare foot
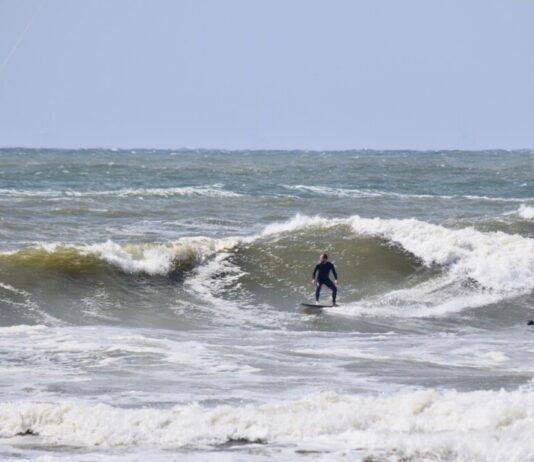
[317,302]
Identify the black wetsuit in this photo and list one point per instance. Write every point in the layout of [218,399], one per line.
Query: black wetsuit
[323,271]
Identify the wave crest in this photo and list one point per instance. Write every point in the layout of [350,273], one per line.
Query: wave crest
[407,268]
[495,260]
[151,259]
[215,190]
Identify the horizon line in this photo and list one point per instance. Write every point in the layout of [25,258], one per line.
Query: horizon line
[314,150]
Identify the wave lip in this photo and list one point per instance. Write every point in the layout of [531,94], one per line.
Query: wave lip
[151,259]
[495,260]
[445,425]
[299,223]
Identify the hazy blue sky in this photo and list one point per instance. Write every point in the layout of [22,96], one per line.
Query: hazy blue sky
[328,74]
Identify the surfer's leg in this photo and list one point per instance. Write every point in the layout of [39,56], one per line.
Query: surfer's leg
[317,290]
[333,288]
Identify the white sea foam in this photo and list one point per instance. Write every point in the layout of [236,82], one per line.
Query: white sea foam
[216,283]
[496,260]
[150,259]
[436,298]
[298,223]
[468,358]
[420,425]
[12,289]
[211,280]
[116,346]
[24,300]
[478,267]
[153,259]
[363,193]
[162,366]
[499,264]
[493,352]
[215,190]
[338,192]
[526,212]
[22,328]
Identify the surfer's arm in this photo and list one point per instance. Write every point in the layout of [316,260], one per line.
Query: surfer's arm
[334,271]
[315,272]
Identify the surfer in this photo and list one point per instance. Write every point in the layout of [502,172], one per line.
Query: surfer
[321,275]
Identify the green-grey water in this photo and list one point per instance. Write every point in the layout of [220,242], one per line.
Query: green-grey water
[149,305]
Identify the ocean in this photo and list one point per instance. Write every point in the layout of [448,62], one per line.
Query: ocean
[149,305]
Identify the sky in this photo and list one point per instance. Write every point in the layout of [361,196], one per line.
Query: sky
[267,74]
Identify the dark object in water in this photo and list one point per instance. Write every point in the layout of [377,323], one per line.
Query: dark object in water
[28,432]
[530,323]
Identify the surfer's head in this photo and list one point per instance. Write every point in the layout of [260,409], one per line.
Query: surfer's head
[323,257]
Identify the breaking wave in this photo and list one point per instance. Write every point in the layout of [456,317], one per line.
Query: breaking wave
[419,425]
[151,259]
[422,268]
[525,212]
[495,260]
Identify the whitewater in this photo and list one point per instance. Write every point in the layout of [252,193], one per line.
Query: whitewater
[150,305]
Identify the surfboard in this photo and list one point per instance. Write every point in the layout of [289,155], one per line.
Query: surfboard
[313,305]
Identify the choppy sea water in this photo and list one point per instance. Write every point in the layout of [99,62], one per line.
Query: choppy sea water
[149,306]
